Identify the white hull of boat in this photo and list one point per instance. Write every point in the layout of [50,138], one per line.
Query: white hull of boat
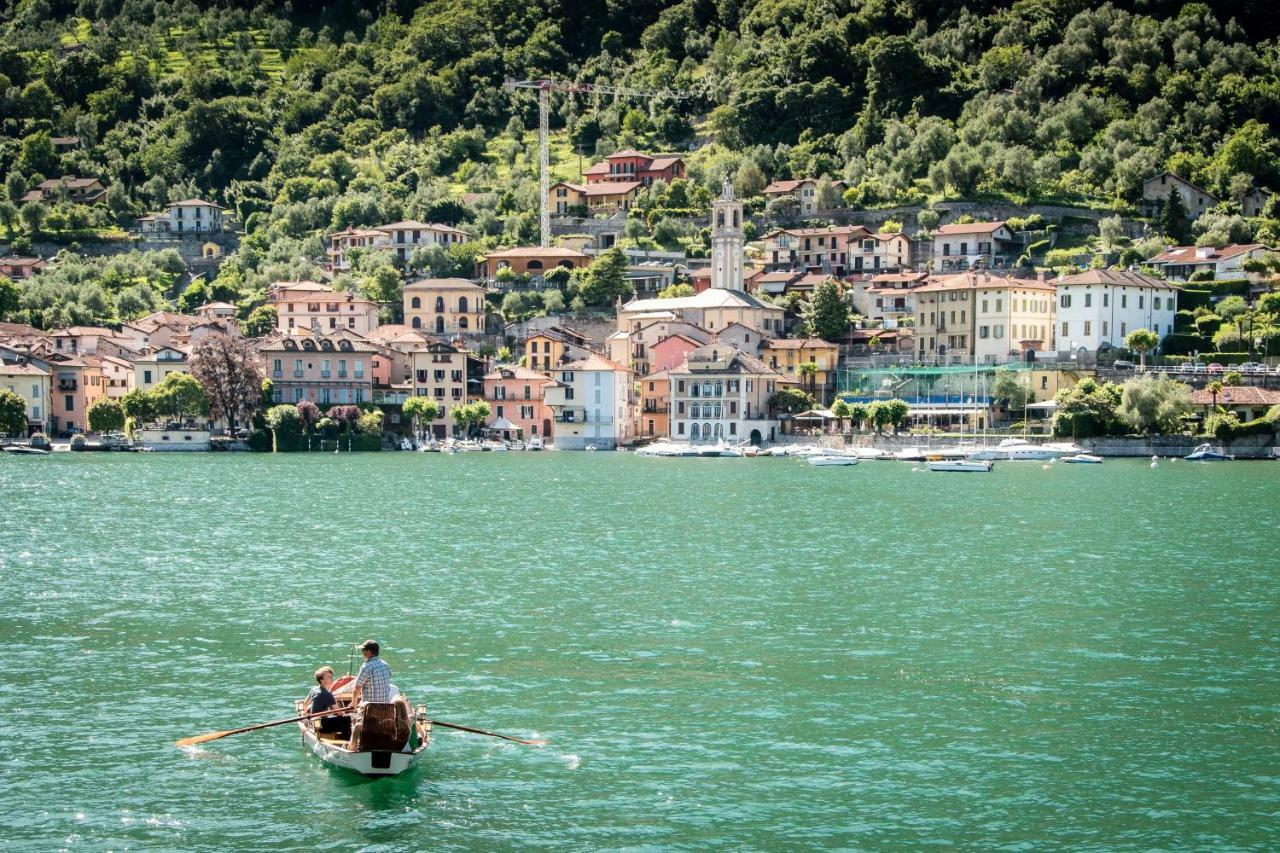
[961,465]
[370,763]
[832,460]
[1207,453]
[1082,459]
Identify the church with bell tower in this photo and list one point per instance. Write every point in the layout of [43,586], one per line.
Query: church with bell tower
[726,241]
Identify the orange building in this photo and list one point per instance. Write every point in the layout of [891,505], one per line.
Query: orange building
[630,165]
[516,395]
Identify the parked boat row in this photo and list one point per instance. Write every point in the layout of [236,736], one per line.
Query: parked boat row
[453,445]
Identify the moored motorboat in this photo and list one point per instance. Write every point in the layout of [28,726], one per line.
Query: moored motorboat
[535,443]
[1019,449]
[1208,453]
[25,450]
[832,460]
[1082,459]
[961,465]
[910,454]
[393,758]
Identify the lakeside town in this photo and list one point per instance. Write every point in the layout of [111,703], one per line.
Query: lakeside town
[833,329]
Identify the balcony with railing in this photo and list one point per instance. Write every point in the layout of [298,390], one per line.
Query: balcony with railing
[67,384]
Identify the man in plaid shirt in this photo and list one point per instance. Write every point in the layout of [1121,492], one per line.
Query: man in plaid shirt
[373,682]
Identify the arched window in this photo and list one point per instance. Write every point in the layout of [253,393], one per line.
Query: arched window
[417,322]
[695,410]
[719,427]
[719,388]
[534,265]
[719,412]
[462,304]
[439,325]
[706,388]
[694,389]
[415,302]
[706,430]
[719,218]
[736,223]
[693,432]
[439,304]
[462,322]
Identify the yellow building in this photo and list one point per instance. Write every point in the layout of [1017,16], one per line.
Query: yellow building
[990,317]
[151,369]
[785,355]
[445,306]
[32,385]
[440,372]
[547,349]
[601,197]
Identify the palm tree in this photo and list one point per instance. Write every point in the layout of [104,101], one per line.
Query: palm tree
[1214,388]
[808,371]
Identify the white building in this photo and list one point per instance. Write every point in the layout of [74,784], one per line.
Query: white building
[591,404]
[726,241]
[400,238]
[722,394]
[404,237]
[973,245]
[1097,308]
[189,216]
[1182,262]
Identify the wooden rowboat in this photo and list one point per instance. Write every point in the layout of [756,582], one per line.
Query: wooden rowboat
[332,748]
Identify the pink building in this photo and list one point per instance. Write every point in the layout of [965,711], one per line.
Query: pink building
[671,352]
[515,394]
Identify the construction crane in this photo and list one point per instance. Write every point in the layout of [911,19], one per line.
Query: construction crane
[544,88]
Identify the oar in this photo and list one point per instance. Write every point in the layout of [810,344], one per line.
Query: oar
[205,738]
[483,732]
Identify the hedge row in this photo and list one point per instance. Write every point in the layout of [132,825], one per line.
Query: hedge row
[294,442]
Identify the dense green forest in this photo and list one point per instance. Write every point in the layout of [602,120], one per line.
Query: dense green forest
[302,120]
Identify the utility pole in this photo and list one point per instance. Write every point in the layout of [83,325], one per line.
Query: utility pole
[544,88]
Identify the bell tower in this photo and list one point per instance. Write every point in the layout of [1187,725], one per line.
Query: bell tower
[726,240]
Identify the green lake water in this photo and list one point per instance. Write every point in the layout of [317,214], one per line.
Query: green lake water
[754,654]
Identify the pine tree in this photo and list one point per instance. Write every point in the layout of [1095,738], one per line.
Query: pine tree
[1173,217]
[827,313]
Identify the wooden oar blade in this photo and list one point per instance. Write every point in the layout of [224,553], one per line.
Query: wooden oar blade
[204,738]
[487,734]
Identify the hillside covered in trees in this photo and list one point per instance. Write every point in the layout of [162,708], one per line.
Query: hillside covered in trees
[302,120]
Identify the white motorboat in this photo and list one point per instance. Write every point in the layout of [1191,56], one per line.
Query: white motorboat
[832,460]
[1081,459]
[25,450]
[869,453]
[1067,448]
[591,447]
[961,465]
[534,443]
[910,454]
[1021,450]
[1205,453]
[988,453]
[429,446]
[406,444]
[493,446]
[661,448]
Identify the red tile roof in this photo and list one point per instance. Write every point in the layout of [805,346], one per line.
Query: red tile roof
[1190,254]
[1237,395]
[971,228]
